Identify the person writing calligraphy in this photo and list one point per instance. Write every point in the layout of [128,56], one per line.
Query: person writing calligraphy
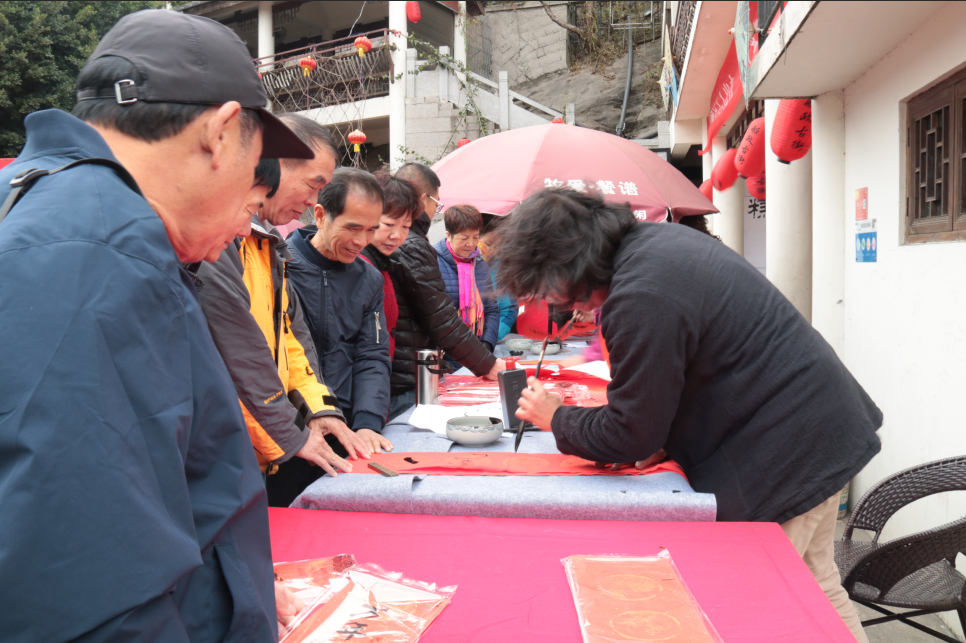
[708,361]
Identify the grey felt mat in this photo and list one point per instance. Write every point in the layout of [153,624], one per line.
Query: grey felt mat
[659,496]
[409,439]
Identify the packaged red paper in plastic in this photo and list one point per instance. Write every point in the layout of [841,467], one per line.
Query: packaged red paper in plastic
[469,390]
[309,579]
[369,604]
[622,600]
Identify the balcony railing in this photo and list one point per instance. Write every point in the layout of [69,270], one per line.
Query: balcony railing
[341,75]
[682,34]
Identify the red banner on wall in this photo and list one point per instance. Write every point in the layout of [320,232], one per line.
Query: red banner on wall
[726,95]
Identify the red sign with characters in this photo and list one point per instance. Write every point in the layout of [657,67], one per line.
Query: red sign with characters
[726,95]
[862,204]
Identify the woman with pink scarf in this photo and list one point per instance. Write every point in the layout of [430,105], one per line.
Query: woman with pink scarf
[466,274]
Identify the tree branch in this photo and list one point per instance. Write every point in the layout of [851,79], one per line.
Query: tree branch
[567,26]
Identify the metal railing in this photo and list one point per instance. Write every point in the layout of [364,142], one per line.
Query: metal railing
[682,33]
[341,75]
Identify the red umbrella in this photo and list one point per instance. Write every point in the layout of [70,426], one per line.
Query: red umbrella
[496,172]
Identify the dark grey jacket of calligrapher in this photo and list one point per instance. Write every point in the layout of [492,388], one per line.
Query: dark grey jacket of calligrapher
[710,361]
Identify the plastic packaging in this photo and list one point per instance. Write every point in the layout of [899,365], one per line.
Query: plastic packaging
[309,579]
[623,599]
[468,390]
[367,604]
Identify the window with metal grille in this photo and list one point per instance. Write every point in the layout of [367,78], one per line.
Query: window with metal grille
[756,109]
[936,163]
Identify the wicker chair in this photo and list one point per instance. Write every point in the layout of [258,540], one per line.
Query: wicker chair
[918,571]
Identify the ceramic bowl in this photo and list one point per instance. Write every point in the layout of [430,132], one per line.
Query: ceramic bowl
[474,431]
[552,349]
[518,344]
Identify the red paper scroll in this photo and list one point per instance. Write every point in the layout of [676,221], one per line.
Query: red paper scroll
[370,605]
[505,464]
[726,95]
[635,599]
[309,579]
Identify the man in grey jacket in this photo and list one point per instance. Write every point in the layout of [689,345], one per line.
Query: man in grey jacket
[258,325]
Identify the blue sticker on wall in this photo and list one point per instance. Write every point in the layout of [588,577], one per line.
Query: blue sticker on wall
[866,242]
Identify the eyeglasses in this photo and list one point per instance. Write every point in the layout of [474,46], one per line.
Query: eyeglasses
[439,206]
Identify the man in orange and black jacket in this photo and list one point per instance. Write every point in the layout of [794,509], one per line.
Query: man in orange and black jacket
[256,321]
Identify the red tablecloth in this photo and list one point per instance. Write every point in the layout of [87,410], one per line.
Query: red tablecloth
[512,587]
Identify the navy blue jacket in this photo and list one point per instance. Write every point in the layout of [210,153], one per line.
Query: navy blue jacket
[343,308]
[491,308]
[132,506]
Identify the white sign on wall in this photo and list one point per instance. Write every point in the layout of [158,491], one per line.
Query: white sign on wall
[755,231]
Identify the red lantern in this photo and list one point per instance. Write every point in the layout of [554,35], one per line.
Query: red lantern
[357,138]
[557,120]
[791,133]
[363,44]
[750,160]
[706,190]
[725,173]
[308,64]
[462,142]
[412,11]
[756,186]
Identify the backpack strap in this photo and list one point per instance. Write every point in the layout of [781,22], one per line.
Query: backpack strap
[26,178]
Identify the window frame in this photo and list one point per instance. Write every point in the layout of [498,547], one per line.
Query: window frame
[950,93]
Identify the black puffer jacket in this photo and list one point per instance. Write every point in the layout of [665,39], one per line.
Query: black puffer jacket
[427,316]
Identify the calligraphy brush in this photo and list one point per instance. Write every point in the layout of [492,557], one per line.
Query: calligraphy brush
[543,351]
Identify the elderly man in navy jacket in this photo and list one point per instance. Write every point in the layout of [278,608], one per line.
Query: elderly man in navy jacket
[342,299]
[132,505]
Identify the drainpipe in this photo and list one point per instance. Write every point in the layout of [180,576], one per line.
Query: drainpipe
[630,70]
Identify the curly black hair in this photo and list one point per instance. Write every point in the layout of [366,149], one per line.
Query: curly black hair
[563,243]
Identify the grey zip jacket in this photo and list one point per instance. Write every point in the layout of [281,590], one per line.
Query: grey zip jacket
[343,306]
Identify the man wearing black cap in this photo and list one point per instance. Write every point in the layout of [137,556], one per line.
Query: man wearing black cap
[132,503]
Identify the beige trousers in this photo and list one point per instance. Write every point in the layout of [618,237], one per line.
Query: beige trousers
[812,534]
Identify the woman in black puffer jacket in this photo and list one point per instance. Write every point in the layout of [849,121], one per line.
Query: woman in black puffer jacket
[427,316]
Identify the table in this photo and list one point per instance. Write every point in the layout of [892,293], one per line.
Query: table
[658,496]
[661,496]
[746,576]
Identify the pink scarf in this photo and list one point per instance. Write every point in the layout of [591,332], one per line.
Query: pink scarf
[470,304]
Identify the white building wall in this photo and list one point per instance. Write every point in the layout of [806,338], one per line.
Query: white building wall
[905,316]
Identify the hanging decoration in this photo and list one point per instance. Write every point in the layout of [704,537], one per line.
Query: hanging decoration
[750,160]
[308,65]
[706,190]
[357,138]
[363,44]
[791,133]
[725,173]
[725,97]
[413,12]
[756,186]
[462,142]
[557,120]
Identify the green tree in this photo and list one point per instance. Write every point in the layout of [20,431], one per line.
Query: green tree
[43,46]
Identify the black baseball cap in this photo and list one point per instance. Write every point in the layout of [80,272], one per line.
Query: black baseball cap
[194,60]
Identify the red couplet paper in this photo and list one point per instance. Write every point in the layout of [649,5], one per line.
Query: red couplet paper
[505,464]
[370,605]
[635,599]
[310,579]
[726,95]
[747,577]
